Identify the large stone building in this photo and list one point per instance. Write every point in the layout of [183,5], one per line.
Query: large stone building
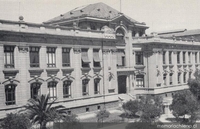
[87,58]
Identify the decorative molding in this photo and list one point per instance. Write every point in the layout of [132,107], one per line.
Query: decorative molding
[67,70]
[114,51]
[67,77]
[86,76]
[11,80]
[105,51]
[10,73]
[77,50]
[53,78]
[36,79]
[23,49]
[52,72]
[35,72]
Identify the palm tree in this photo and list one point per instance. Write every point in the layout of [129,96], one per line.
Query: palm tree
[41,112]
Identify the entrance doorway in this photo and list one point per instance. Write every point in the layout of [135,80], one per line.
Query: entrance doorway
[122,84]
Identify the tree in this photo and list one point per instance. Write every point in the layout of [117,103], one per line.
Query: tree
[102,114]
[15,121]
[184,103]
[40,111]
[131,107]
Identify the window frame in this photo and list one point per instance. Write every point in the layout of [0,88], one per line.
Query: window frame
[54,89]
[66,53]
[34,51]
[139,58]
[139,79]
[97,85]
[9,55]
[10,100]
[51,57]
[37,87]
[67,87]
[85,85]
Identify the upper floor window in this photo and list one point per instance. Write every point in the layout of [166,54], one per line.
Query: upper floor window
[195,57]
[120,58]
[178,57]
[96,58]
[35,90]
[52,90]
[65,57]
[139,58]
[9,56]
[140,80]
[67,88]
[51,57]
[189,57]
[163,55]
[34,57]
[85,58]
[85,90]
[184,57]
[96,86]
[10,94]
[170,57]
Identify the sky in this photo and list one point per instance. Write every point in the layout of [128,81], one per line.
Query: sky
[159,15]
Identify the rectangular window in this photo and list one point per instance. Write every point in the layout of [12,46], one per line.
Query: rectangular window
[165,79]
[67,89]
[10,94]
[184,77]
[139,58]
[190,75]
[120,58]
[85,58]
[184,57]
[179,78]
[178,57]
[96,86]
[51,57]
[34,57]
[189,57]
[195,57]
[164,62]
[96,57]
[170,57]
[52,90]
[9,56]
[85,90]
[140,80]
[171,78]
[35,89]
[65,57]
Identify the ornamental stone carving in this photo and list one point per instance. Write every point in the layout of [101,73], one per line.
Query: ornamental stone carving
[23,49]
[77,50]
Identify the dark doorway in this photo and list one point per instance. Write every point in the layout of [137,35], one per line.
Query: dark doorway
[122,84]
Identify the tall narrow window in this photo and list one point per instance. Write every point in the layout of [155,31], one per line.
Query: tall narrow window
[163,55]
[171,78]
[10,94]
[34,57]
[139,58]
[67,89]
[170,57]
[85,58]
[178,57]
[85,90]
[120,58]
[51,57]
[52,90]
[189,57]
[96,85]
[140,80]
[190,75]
[9,56]
[179,78]
[165,79]
[184,77]
[195,57]
[65,57]
[184,57]
[96,58]
[35,89]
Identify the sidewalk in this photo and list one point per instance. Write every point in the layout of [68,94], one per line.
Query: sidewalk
[164,117]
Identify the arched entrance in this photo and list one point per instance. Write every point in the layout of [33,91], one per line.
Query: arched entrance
[122,84]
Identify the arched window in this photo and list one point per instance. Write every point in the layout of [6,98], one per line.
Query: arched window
[120,34]
[35,90]
[97,86]
[85,90]
[52,90]
[67,88]
[10,94]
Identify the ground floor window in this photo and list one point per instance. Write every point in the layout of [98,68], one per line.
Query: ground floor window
[140,80]
[67,89]
[10,94]
[96,86]
[52,90]
[35,89]
[165,79]
[85,90]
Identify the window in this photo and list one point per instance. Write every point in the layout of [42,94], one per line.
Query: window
[178,57]
[190,74]
[165,79]
[139,58]
[10,94]
[52,90]
[184,77]
[85,58]
[195,57]
[96,58]
[67,89]
[171,78]
[184,57]
[170,57]
[85,86]
[51,57]
[35,88]
[164,57]
[9,56]
[189,57]
[34,57]
[96,85]
[179,78]
[120,58]
[140,80]
[65,57]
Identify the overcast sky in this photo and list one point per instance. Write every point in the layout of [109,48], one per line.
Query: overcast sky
[159,15]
